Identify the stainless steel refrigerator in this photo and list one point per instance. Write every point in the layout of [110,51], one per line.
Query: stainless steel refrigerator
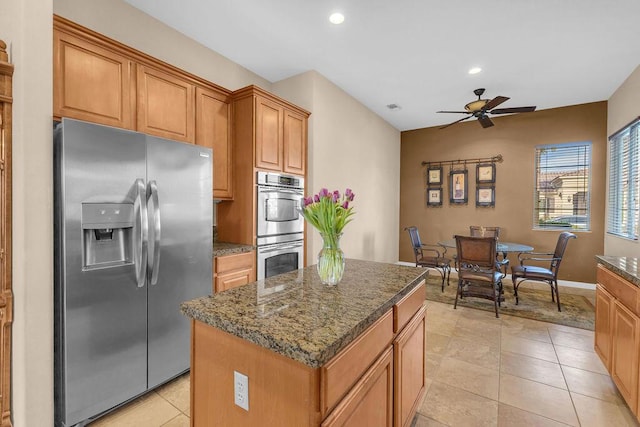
[133,239]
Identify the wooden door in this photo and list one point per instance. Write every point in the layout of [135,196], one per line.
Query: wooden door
[625,352]
[269,139]
[370,401]
[166,105]
[295,143]
[213,125]
[92,83]
[409,370]
[604,309]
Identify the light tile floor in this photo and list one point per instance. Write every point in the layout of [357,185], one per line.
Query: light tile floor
[481,371]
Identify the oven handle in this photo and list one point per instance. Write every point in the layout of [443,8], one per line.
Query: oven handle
[279,248]
[279,190]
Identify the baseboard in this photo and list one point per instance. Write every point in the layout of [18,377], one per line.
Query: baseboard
[567,283]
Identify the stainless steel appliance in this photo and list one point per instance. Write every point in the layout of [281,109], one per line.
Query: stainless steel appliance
[280,226]
[133,239]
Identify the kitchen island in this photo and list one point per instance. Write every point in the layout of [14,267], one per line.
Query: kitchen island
[313,354]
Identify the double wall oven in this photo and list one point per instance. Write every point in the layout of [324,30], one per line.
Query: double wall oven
[280,226]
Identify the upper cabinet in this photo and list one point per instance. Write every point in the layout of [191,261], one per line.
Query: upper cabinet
[213,130]
[99,80]
[280,132]
[92,83]
[166,105]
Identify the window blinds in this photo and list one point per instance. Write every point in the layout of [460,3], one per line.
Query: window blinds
[624,186]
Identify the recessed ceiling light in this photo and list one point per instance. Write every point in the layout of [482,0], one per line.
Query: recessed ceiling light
[475,70]
[336,18]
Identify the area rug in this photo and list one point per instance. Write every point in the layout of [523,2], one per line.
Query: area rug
[577,310]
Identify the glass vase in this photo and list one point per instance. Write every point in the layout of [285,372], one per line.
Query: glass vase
[330,259]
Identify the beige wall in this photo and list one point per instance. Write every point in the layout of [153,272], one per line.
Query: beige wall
[623,107]
[352,147]
[515,137]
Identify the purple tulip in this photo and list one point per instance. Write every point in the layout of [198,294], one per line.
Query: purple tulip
[335,197]
[345,204]
[307,201]
[349,194]
[323,192]
[316,198]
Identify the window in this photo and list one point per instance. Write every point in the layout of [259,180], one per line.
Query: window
[562,186]
[623,182]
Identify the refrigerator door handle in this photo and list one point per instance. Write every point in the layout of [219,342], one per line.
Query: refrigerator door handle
[142,234]
[154,260]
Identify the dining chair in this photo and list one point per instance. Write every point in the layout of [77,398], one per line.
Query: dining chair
[480,231]
[432,256]
[545,274]
[478,273]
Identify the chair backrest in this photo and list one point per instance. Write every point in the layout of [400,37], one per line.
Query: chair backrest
[416,243]
[563,240]
[476,252]
[479,231]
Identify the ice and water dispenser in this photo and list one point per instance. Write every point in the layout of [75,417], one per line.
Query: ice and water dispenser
[107,234]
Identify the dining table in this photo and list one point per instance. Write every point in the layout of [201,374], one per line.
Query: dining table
[503,247]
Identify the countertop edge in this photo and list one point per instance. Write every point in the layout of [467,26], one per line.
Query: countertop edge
[228,248]
[621,266]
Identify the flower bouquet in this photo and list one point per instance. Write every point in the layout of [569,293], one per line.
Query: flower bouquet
[329,213]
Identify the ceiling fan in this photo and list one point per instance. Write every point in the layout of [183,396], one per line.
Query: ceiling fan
[480,109]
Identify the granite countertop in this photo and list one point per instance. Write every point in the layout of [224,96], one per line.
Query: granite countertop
[627,267]
[226,248]
[298,317]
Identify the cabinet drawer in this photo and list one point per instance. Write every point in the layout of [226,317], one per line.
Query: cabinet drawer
[234,262]
[341,372]
[621,289]
[404,309]
[234,279]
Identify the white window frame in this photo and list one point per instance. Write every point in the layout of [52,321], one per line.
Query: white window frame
[623,182]
[565,213]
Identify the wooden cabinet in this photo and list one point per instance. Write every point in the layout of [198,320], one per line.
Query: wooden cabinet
[617,333]
[279,142]
[213,130]
[603,329]
[370,401]
[6,291]
[165,105]
[235,270]
[410,369]
[92,83]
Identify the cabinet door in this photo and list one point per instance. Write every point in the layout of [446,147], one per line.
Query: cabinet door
[234,279]
[166,105]
[410,367]
[92,83]
[269,140]
[213,119]
[370,401]
[604,308]
[624,356]
[295,143]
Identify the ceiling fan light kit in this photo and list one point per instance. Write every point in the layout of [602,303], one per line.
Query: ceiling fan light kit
[480,108]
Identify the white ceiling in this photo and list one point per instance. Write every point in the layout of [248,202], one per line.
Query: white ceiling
[416,53]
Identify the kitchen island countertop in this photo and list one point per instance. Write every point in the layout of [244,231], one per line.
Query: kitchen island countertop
[295,315]
[626,267]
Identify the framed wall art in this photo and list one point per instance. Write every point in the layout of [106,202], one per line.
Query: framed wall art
[434,196]
[486,196]
[434,175]
[458,187]
[485,173]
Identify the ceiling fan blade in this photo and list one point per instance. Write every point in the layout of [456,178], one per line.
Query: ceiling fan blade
[457,121]
[512,110]
[495,102]
[485,121]
[461,112]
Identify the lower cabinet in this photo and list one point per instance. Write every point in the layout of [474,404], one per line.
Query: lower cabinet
[617,333]
[231,271]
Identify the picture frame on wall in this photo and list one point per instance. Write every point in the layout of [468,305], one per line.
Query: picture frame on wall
[458,186]
[434,196]
[486,196]
[485,173]
[434,175]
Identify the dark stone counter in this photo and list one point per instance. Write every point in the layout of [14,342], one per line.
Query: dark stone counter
[295,315]
[626,267]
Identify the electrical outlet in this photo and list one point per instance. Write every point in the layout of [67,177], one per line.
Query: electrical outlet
[241,390]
